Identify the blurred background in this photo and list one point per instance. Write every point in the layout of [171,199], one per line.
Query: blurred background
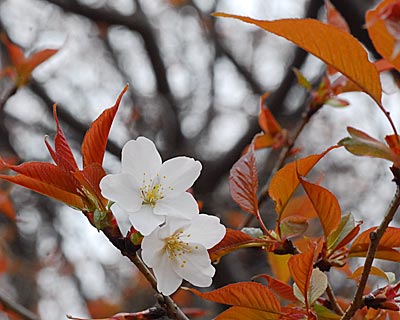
[195,84]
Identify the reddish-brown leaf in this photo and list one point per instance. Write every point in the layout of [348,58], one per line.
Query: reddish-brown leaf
[301,267]
[321,40]
[388,248]
[234,240]
[16,54]
[243,182]
[244,294]
[47,173]
[6,205]
[95,141]
[240,313]
[285,182]
[47,189]
[282,289]
[326,205]
[334,17]
[301,206]
[62,155]
[36,59]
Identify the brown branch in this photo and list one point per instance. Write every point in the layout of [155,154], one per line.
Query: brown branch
[25,314]
[375,237]
[332,299]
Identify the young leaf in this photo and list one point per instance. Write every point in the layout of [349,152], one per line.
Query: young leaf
[317,286]
[322,40]
[326,205]
[250,295]
[293,226]
[324,313]
[234,240]
[344,233]
[95,140]
[361,144]
[285,182]
[386,248]
[243,182]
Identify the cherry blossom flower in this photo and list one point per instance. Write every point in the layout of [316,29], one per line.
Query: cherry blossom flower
[149,190]
[178,250]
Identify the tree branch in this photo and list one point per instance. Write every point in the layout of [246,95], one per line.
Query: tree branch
[25,314]
[375,237]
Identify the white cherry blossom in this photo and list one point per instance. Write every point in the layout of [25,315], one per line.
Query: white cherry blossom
[149,190]
[178,250]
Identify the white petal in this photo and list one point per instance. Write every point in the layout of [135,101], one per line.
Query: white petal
[206,230]
[183,206]
[178,174]
[152,249]
[145,221]
[122,218]
[173,224]
[197,269]
[168,281]
[141,159]
[122,189]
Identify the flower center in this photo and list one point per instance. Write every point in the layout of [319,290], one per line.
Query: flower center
[151,194]
[176,248]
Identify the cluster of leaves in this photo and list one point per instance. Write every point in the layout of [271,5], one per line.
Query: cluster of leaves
[305,260]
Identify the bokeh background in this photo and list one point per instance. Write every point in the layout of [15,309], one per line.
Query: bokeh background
[195,83]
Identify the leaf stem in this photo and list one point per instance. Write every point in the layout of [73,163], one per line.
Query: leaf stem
[375,237]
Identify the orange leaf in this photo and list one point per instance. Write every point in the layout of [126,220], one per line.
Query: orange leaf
[301,267]
[16,54]
[386,248]
[279,266]
[374,271]
[300,206]
[243,182]
[266,120]
[285,182]
[326,205]
[322,40]
[234,240]
[377,21]
[36,59]
[240,313]
[95,140]
[250,295]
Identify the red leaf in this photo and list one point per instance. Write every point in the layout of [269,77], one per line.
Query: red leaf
[234,240]
[285,182]
[326,205]
[243,182]
[250,295]
[321,40]
[95,141]
[301,267]
[62,155]
[388,248]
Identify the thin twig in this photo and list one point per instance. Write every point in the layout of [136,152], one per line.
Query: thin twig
[375,237]
[332,299]
[25,314]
